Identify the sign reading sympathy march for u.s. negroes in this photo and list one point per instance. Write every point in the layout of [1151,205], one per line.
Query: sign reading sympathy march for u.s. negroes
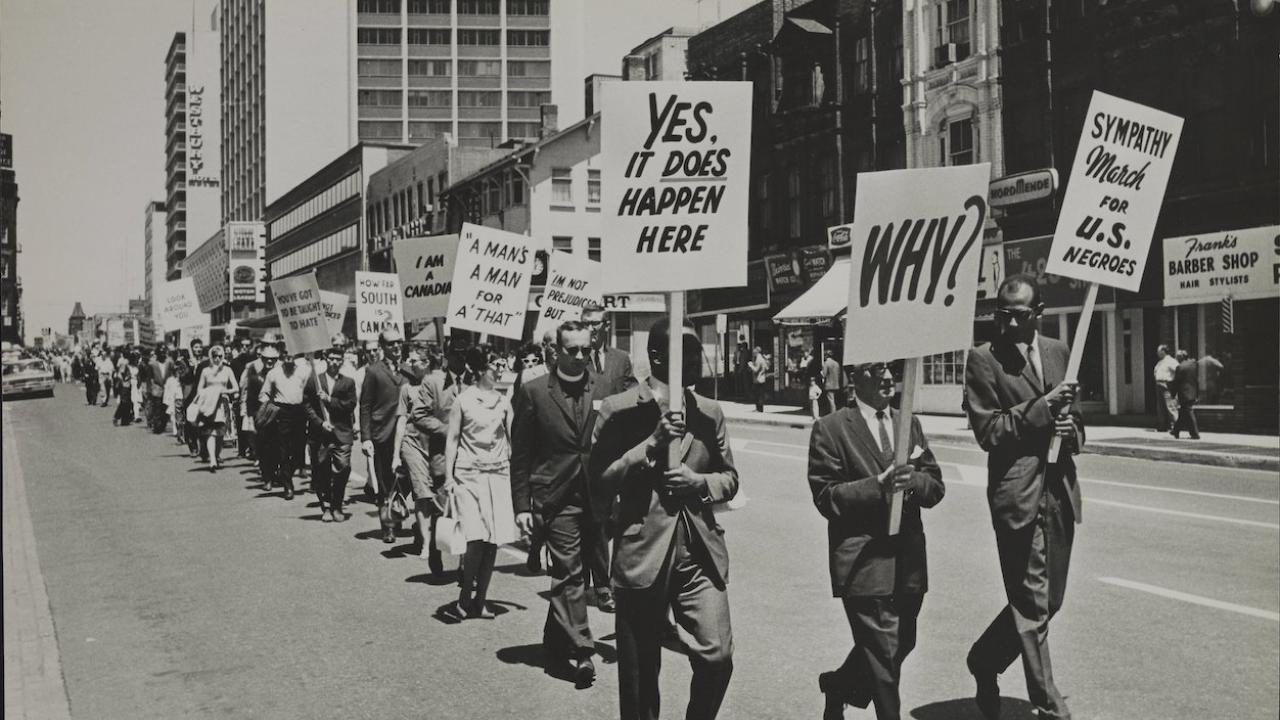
[675,176]
[491,281]
[915,245]
[301,310]
[425,266]
[1114,194]
[180,305]
[572,281]
[378,307]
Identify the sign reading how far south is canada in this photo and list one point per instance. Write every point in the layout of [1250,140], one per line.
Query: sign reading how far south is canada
[425,265]
[675,179]
[301,310]
[378,304]
[572,281]
[915,246]
[491,282]
[1114,193]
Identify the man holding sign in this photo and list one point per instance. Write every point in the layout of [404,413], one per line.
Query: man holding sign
[1014,392]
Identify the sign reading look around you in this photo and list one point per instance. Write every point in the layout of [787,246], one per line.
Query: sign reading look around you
[1114,194]
[675,179]
[915,243]
[179,305]
[302,318]
[491,282]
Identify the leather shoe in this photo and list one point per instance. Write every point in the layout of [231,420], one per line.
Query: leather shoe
[833,707]
[388,536]
[987,696]
[434,563]
[584,674]
[604,600]
[326,516]
[288,493]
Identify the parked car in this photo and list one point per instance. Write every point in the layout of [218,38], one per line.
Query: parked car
[27,376]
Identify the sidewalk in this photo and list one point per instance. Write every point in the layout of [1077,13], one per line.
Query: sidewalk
[1255,452]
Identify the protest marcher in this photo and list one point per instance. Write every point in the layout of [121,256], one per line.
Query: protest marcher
[330,401]
[282,425]
[157,376]
[251,376]
[477,479]
[92,383]
[833,385]
[759,366]
[669,553]
[1186,385]
[123,386]
[106,369]
[198,363]
[173,394]
[1166,398]
[242,359]
[214,392]
[251,381]
[881,579]
[551,494]
[379,401]
[138,363]
[1015,396]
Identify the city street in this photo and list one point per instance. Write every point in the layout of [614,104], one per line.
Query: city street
[175,592]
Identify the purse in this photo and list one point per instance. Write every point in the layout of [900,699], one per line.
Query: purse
[448,533]
[266,415]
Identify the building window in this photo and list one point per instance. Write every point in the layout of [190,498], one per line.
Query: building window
[378,36]
[952,28]
[429,7]
[524,98]
[562,244]
[492,195]
[527,38]
[479,129]
[862,65]
[957,142]
[427,130]
[479,68]
[944,368]
[431,36]
[381,7]
[477,7]
[528,68]
[479,37]
[561,186]
[515,188]
[593,187]
[379,98]
[523,129]
[378,68]
[371,130]
[828,170]
[593,249]
[479,98]
[528,7]
[793,202]
[430,98]
[428,68]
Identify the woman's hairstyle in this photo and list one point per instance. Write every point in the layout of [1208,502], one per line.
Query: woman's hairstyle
[479,357]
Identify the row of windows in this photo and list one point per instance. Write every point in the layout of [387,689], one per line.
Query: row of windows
[425,130]
[444,98]
[347,238]
[441,36]
[562,186]
[339,192]
[565,244]
[405,206]
[465,7]
[443,68]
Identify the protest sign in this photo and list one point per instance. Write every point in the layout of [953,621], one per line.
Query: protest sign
[179,305]
[572,280]
[491,281]
[201,332]
[915,245]
[378,307]
[1114,194]
[1240,264]
[425,266]
[676,158]
[302,318]
[335,310]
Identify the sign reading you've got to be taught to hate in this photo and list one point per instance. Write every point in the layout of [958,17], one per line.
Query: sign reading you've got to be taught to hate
[491,282]
[675,179]
[1114,194]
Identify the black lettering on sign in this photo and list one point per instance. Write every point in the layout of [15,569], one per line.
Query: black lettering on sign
[892,262]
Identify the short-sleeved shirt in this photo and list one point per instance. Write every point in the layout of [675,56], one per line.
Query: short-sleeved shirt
[410,400]
[483,441]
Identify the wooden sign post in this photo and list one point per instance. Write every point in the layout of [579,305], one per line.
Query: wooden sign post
[1077,355]
[902,434]
[675,367]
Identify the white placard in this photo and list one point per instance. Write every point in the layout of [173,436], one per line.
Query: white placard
[491,281]
[302,318]
[179,305]
[1114,194]
[378,304]
[675,178]
[335,310]
[425,266]
[201,332]
[1243,264]
[915,246]
[572,280]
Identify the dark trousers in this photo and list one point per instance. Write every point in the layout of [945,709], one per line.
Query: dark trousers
[884,633]
[330,469]
[388,481]
[91,391]
[1187,419]
[700,606]
[159,415]
[1033,562]
[757,390]
[830,402]
[566,633]
[595,553]
[280,445]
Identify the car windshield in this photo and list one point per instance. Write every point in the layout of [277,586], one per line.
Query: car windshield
[23,366]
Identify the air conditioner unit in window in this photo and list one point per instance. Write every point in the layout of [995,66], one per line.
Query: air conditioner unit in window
[944,55]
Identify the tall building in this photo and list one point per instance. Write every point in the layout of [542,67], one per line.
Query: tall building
[203,121]
[175,150]
[153,253]
[10,282]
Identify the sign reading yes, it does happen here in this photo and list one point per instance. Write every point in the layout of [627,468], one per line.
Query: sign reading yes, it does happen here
[674,179]
[491,282]
[916,242]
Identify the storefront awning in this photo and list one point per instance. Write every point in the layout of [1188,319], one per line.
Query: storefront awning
[827,299]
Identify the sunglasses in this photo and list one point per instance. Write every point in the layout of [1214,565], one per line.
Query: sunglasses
[1021,315]
[269,359]
[576,351]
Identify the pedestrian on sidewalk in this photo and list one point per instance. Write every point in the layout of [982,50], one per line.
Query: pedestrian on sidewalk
[214,391]
[1186,383]
[283,442]
[759,367]
[173,394]
[1017,401]
[330,402]
[833,385]
[880,578]
[1166,400]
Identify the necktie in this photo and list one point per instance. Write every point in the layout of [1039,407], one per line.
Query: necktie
[448,380]
[1035,367]
[595,355]
[886,444]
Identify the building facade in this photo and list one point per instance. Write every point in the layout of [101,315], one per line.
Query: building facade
[75,322]
[661,57]
[153,247]
[175,148]
[10,280]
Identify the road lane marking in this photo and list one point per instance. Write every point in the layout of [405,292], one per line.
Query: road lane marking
[1194,599]
[1201,493]
[1180,513]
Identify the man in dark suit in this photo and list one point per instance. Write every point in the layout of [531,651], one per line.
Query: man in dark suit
[880,578]
[550,494]
[669,554]
[1186,388]
[379,401]
[246,355]
[1017,402]
[330,402]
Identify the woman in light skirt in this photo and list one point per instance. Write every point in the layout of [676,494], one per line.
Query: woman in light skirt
[478,478]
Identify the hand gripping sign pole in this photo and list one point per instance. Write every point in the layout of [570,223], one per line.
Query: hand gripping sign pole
[1073,365]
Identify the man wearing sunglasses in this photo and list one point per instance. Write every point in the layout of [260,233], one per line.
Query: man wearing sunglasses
[379,402]
[1017,402]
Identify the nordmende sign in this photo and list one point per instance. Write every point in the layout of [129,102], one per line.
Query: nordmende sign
[1023,187]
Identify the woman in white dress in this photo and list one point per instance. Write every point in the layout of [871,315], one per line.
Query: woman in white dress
[214,390]
[478,478]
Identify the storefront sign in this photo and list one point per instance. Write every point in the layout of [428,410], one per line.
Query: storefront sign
[815,262]
[752,296]
[1031,257]
[302,318]
[208,265]
[246,245]
[378,305]
[675,178]
[1242,264]
[425,266]
[572,281]
[629,303]
[1023,187]
[1114,194]
[491,282]
[784,274]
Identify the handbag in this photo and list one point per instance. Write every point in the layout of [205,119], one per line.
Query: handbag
[266,415]
[448,533]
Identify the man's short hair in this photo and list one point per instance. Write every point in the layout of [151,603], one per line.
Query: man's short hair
[1162,348]
[591,306]
[1013,283]
[569,326]
[1181,355]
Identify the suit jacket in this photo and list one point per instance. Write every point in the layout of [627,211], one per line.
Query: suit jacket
[844,461]
[430,416]
[1186,382]
[1012,422]
[341,406]
[550,446]
[251,380]
[379,399]
[617,375]
[643,520]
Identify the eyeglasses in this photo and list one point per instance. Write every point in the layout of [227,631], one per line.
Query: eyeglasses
[1020,314]
[269,359]
[576,351]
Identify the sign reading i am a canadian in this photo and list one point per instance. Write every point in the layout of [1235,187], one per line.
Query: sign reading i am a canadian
[675,178]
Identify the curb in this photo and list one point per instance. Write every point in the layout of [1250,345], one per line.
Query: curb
[1237,460]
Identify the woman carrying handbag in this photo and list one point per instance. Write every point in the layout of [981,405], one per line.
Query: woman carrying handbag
[216,386]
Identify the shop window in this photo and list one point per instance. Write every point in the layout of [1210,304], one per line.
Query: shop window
[944,368]
[1093,365]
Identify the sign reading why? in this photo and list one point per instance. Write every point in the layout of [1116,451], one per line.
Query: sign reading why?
[675,178]
[180,305]
[302,318]
[425,266]
[378,305]
[572,281]
[1114,194]
[491,282]
[915,246]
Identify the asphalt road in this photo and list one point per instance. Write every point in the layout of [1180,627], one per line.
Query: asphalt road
[180,593]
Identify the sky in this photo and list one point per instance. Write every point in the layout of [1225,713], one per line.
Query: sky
[82,93]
